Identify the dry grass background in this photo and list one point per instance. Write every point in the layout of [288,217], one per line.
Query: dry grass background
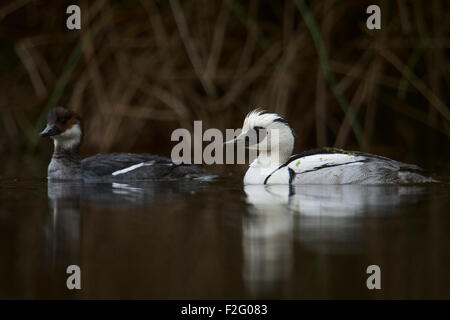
[139,69]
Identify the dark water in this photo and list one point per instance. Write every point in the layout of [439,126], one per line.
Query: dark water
[221,240]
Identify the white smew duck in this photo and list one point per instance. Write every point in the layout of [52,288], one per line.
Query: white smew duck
[273,137]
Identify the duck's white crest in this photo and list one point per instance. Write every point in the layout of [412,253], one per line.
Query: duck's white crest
[258,118]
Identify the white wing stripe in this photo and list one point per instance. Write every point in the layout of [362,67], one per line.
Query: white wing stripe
[131,168]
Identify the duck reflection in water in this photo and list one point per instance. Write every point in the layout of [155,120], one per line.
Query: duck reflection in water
[324,219]
[63,226]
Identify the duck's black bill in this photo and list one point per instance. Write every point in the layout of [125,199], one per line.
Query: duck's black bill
[50,130]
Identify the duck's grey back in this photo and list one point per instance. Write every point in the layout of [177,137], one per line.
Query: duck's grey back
[360,168]
[126,166]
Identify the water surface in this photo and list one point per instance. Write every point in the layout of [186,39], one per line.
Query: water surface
[222,240]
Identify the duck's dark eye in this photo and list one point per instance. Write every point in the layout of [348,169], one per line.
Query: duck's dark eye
[64,119]
[260,133]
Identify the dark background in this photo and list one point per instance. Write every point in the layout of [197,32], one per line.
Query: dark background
[137,70]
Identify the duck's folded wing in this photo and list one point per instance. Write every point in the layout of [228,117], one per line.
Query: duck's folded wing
[321,161]
[342,167]
[125,166]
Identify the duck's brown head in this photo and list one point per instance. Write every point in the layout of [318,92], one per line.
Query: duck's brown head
[63,126]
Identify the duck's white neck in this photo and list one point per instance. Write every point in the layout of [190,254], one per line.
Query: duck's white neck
[66,160]
[277,154]
[271,159]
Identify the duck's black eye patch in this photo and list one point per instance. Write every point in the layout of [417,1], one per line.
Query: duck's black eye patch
[255,136]
[260,134]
